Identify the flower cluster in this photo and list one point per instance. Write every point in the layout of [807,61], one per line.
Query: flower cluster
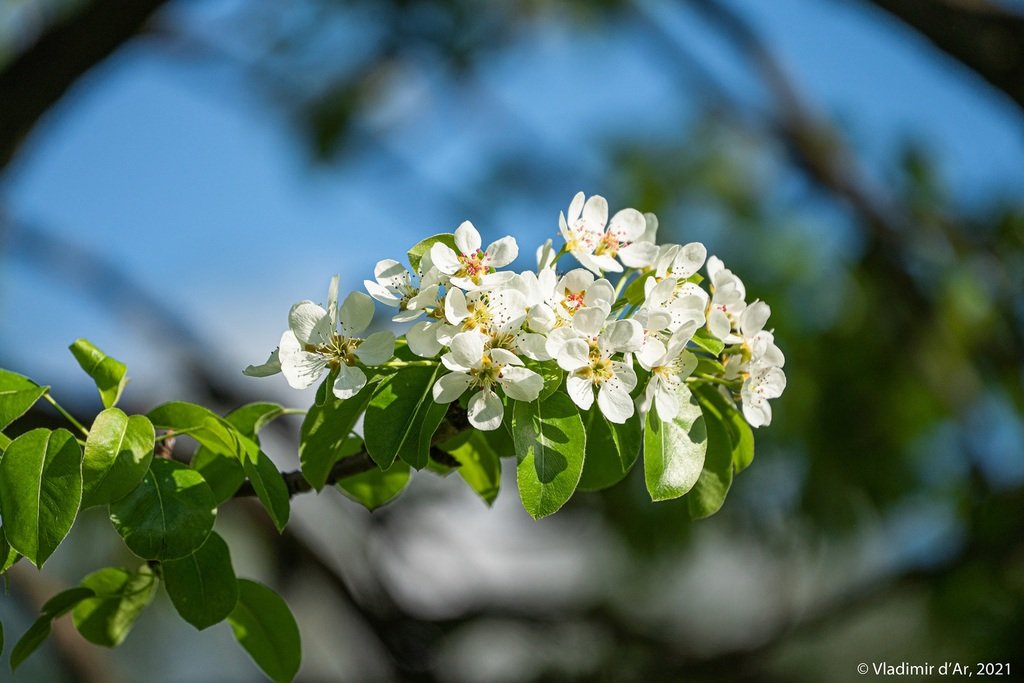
[490,327]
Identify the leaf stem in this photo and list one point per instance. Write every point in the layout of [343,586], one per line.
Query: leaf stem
[561,252]
[623,279]
[67,416]
[408,364]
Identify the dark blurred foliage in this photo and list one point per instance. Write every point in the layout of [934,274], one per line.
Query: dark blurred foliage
[898,307]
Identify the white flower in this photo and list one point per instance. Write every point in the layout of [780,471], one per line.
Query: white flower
[728,299]
[761,385]
[683,303]
[597,248]
[668,370]
[588,359]
[314,342]
[470,268]
[394,288]
[680,261]
[474,365]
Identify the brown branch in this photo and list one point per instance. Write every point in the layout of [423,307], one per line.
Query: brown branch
[456,421]
[986,38]
[40,76]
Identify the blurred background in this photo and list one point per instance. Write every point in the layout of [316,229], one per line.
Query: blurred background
[174,175]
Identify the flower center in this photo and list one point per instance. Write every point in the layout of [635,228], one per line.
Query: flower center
[572,302]
[488,373]
[474,266]
[609,244]
[339,350]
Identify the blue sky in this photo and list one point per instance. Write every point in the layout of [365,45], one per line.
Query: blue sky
[204,195]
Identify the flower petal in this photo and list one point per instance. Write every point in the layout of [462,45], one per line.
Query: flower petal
[350,381]
[502,252]
[576,207]
[449,387]
[378,348]
[638,254]
[615,403]
[422,338]
[455,308]
[485,410]
[595,213]
[467,239]
[521,384]
[444,259]
[468,349]
[627,225]
[301,368]
[310,323]
[588,321]
[356,313]
[391,273]
[575,354]
[580,390]
[382,294]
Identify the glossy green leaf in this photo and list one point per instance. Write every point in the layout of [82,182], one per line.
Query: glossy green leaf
[265,627]
[202,585]
[40,491]
[252,417]
[479,465]
[708,342]
[108,373]
[674,450]
[17,395]
[324,430]
[396,415]
[550,372]
[612,449]
[268,484]
[423,246]
[8,555]
[550,445]
[5,441]
[117,456]
[224,471]
[377,487]
[120,597]
[202,424]
[740,434]
[708,494]
[39,631]
[169,515]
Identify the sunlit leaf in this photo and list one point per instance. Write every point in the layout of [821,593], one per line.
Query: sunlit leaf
[108,373]
[674,450]
[120,597]
[202,585]
[265,627]
[117,456]
[550,445]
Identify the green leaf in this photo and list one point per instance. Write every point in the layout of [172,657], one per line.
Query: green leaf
[39,631]
[268,484]
[168,515]
[551,373]
[202,585]
[707,341]
[40,491]
[708,494]
[324,430]
[117,456]
[550,445]
[8,555]
[611,450]
[265,627]
[674,450]
[480,466]
[740,434]
[376,487]
[5,441]
[120,597]
[396,415]
[106,372]
[423,246]
[634,293]
[224,472]
[17,395]
[202,424]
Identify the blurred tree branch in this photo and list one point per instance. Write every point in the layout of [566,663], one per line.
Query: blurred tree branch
[983,36]
[41,75]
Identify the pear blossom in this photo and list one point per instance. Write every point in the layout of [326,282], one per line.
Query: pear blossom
[680,261]
[583,225]
[473,365]
[622,240]
[472,268]
[668,371]
[728,299]
[318,339]
[393,287]
[588,360]
[763,384]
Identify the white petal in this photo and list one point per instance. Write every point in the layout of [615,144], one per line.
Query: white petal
[406,316]
[545,255]
[299,367]
[627,225]
[502,252]
[494,280]
[467,239]
[349,382]
[468,349]
[689,260]
[715,265]
[448,360]
[382,294]
[533,346]
[576,280]
[638,254]
[651,354]
[422,338]
[575,354]
[589,321]
[521,384]
[310,323]
[624,376]
[587,261]
[601,293]
[580,390]
[356,313]
[541,318]
[758,413]
[391,273]
[378,348]
[666,400]
[615,403]
[595,213]
[449,387]
[485,410]
[426,297]
[753,318]
[622,335]
[505,357]
[271,367]
[455,308]
[557,339]
[650,229]
[508,310]
[332,302]
[444,259]
[718,324]
[576,207]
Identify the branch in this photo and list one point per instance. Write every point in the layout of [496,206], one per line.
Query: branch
[456,421]
[40,76]
[982,36]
